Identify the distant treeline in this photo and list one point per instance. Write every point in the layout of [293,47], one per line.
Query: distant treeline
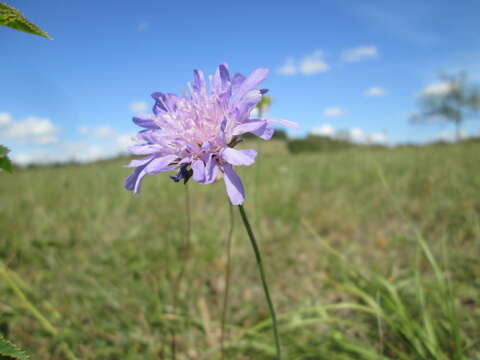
[315,143]
[310,143]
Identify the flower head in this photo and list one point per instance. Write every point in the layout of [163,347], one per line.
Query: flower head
[196,132]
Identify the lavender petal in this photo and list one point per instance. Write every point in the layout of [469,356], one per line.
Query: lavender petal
[198,167]
[287,123]
[145,121]
[160,164]
[252,82]
[234,186]
[239,157]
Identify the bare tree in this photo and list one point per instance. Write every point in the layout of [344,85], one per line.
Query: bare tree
[453,100]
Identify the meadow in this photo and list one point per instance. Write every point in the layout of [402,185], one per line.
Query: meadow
[370,254]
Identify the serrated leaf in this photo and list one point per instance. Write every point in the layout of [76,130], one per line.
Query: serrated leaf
[10,351]
[14,19]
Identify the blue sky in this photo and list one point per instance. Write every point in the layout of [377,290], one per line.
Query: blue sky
[353,65]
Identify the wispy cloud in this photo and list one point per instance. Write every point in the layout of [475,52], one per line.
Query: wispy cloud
[355,135]
[323,130]
[125,140]
[450,135]
[31,130]
[5,119]
[333,111]
[101,131]
[360,53]
[81,151]
[314,63]
[110,135]
[375,91]
[64,152]
[288,68]
[138,106]
[439,88]
[309,64]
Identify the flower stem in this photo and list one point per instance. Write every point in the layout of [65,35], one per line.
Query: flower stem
[227,281]
[185,255]
[264,280]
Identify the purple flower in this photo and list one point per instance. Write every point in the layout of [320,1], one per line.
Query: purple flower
[196,132]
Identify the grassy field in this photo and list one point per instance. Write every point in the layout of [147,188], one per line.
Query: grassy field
[370,254]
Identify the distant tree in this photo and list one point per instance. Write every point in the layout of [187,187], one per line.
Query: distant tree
[454,100]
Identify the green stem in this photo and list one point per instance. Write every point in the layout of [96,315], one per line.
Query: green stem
[227,281]
[264,280]
[185,255]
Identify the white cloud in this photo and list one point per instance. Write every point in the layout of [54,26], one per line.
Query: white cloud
[378,138]
[44,147]
[314,63]
[375,91]
[80,151]
[310,64]
[288,68]
[123,141]
[24,159]
[359,54]
[360,136]
[333,112]
[138,106]
[84,152]
[100,132]
[29,130]
[103,131]
[65,152]
[294,134]
[450,136]
[5,119]
[355,135]
[84,130]
[323,130]
[439,88]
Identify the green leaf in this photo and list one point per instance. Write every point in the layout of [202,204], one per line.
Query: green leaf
[10,351]
[13,18]
[5,162]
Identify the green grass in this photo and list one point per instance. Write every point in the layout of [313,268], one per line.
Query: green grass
[370,254]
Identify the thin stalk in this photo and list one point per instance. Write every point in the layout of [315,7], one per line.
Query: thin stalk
[185,254]
[227,280]
[263,277]
[27,305]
